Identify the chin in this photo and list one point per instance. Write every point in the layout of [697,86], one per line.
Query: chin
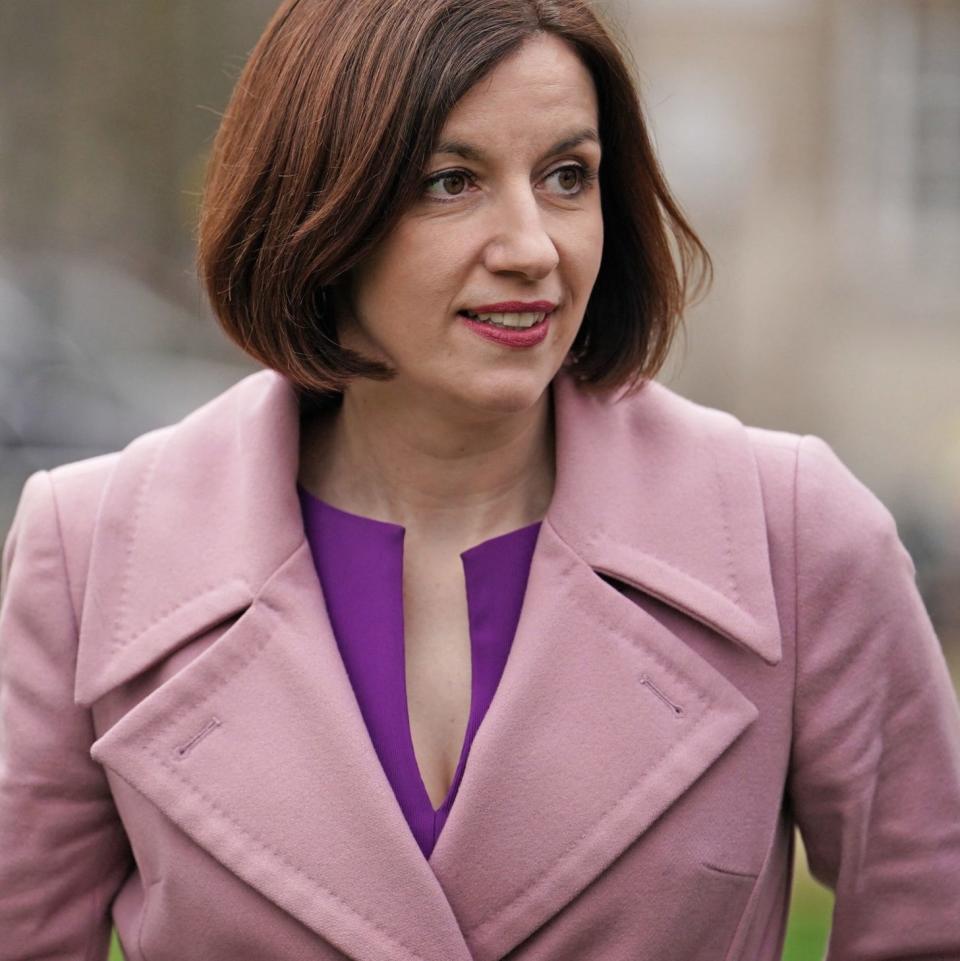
[504,392]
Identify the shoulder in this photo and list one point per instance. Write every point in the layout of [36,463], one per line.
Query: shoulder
[784,459]
[687,460]
[79,485]
[658,402]
[809,493]
[105,494]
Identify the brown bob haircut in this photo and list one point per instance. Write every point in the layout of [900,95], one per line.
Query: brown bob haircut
[324,146]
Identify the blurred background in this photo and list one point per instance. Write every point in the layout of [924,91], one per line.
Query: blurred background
[814,144]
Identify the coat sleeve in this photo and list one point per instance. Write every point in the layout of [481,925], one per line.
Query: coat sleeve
[874,779]
[63,853]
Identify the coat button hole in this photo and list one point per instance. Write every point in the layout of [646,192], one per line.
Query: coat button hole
[184,749]
[676,709]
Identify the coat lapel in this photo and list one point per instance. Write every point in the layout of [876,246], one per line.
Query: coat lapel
[603,717]
[258,751]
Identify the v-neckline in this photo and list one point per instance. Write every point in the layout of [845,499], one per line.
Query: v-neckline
[369,628]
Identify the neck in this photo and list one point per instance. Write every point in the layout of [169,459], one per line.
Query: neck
[417,466]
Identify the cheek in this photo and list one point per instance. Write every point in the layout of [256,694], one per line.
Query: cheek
[423,267]
[582,251]
[594,240]
[442,249]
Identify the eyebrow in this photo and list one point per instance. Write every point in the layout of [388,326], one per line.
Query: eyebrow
[470,152]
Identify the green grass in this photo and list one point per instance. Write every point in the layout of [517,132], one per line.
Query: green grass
[807,930]
[810,907]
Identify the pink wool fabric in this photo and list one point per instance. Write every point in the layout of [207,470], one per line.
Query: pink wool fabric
[721,637]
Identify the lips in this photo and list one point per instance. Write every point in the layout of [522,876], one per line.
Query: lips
[513,307]
[508,335]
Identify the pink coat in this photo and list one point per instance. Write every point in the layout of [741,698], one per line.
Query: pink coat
[721,638]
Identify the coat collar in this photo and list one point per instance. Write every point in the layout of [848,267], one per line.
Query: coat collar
[201,522]
[654,490]
[664,494]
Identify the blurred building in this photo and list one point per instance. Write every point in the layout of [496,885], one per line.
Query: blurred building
[816,147]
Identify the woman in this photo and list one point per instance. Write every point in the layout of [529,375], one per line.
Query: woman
[246,660]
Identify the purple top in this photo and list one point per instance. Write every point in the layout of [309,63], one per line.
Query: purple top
[359,563]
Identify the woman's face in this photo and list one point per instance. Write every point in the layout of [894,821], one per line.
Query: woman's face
[510,211]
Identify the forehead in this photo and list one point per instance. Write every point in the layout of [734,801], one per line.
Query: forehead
[527,97]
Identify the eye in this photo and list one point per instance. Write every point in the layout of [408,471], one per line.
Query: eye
[457,180]
[573,179]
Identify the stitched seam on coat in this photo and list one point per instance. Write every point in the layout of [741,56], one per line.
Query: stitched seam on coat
[595,538]
[167,614]
[662,563]
[282,859]
[263,605]
[728,551]
[666,599]
[595,828]
[120,620]
[63,556]
[265,846]
[242,664]
[119,641]
[615,629]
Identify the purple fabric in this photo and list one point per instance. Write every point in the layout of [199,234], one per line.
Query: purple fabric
[359,563]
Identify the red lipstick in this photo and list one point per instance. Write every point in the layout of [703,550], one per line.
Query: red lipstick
[512,336]
[515,307]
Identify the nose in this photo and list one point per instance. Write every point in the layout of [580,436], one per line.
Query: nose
[520,242]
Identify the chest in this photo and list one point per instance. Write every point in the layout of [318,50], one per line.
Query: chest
[438,665]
